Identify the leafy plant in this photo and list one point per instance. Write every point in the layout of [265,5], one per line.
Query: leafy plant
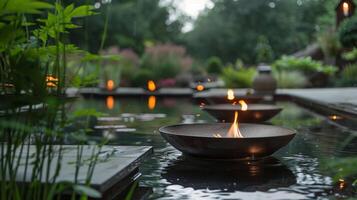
[242,77]
[214,65]
[348,76]
[290,79]
[348,32]
[304,65]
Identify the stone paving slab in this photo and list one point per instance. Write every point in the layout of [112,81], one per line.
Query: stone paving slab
[135,92]
[115,164]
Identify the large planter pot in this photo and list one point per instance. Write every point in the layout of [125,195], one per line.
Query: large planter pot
[264,83]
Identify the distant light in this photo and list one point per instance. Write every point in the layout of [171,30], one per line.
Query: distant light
[200,87]
[345,8]
[271,4]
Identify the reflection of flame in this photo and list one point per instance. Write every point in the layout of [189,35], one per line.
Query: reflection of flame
[51,81]
[230,94]
[234,129]
[341,184]
[151,102]
[151,86]
[345,8]
[244,106]
[110,102]
[200,87]
[110,85]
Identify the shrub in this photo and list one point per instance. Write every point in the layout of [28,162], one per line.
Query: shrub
[214,65]
[348,32]
[242,77]
[165,60]
[348,76]
[141,78]
[290,79]
[303,65]
[263,50]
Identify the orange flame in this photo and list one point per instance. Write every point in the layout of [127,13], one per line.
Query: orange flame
[110,85]
[234,129]
[244,106]
[151,85]
[110,102]
[230,94]
[345,8]
[200,87]
[151,102]
[51,81]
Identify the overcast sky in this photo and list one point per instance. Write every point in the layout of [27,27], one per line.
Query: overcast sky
[192,8]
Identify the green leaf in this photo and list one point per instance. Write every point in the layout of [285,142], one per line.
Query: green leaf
[83,11]
[86,190]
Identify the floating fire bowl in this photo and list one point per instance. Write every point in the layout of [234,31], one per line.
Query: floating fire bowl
[254,112]
[199,140]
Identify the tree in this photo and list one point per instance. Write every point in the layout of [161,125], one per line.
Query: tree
[231,29]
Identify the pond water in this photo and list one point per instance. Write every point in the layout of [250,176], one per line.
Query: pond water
[294,172]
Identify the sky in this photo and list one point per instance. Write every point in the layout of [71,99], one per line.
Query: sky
[192,8]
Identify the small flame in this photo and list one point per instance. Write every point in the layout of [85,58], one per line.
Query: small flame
[110,85]
[110,102]
[202,105]
[217,135]
[345,8]
[341,184]
[234,129]
[151,102]
[335,117]
[151,86]
[51,81]
[230,94]
[200,87]
[244,106]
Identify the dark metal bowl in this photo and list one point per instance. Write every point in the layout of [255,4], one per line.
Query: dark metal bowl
[197,140]
[250,176]
[255,112]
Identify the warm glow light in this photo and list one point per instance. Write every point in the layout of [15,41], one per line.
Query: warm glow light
[345,8]
[342,184]
[217,135]
[151,102]
[244,106]
[202,105]
[110,85]
[151,86]
[51,81]
[234,129]
[110,102]
[200,87]
[334,117]
[230,94]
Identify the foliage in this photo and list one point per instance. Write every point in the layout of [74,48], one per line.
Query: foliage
[350,55]
[141,77]
[290,79]
[131,24]
[348,76]
[214,65]
[341,167]
[348,32]
[231,28]
[242,77]
[306,65]
[263,50]
[165,60]
[33,53]
[329,43]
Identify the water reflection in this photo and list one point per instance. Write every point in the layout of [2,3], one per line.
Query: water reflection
[229,176]
[151,102]
[110,102]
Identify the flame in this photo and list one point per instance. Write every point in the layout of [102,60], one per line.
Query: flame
[234,129]
[244,106]
[217,135]
[151,85]
[151,102]
[230,94]
[345,8]
[334,117]
[110,85]
[341,184]
[110,102]
[51,81]
[202,105]
[200,87]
